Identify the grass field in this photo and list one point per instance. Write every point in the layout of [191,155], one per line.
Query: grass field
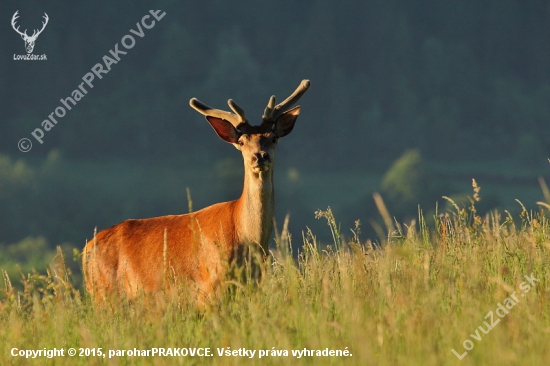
[477,285]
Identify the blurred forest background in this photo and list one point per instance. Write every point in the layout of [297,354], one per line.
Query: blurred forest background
[412,99]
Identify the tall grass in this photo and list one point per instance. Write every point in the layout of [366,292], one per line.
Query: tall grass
[407,300]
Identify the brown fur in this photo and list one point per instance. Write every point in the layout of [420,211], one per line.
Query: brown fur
[130,256]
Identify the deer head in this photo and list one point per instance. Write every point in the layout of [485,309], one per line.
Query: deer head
[257,143]
[29,40]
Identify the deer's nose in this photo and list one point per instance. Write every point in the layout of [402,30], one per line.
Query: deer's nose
[261,157]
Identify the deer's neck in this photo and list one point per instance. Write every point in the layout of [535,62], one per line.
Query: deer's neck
[256,208]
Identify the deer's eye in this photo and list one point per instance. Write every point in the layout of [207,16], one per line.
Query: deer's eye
[275,140]
[240,143]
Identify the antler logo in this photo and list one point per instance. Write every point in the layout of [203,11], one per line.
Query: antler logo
[29,40]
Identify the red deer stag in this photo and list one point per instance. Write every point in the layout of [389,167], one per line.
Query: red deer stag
[140,255]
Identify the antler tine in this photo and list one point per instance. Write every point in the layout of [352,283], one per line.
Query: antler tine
[13,19]
[272,113]
[234,119]
[238,110]
[46,18]
[269,109]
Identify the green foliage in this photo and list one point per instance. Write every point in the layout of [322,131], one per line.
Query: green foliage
[27,255]
[13,174]
[30,197]
[417,297]
[406,182]
[17,188]
[33,255]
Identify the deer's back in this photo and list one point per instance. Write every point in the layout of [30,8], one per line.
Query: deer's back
[134,255]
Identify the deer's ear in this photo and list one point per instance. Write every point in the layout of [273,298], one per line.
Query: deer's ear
[224,129]
[285,123]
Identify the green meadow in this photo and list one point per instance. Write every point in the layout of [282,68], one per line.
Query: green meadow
[453,289]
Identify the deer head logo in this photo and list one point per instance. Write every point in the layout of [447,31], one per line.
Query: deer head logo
[29,40]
